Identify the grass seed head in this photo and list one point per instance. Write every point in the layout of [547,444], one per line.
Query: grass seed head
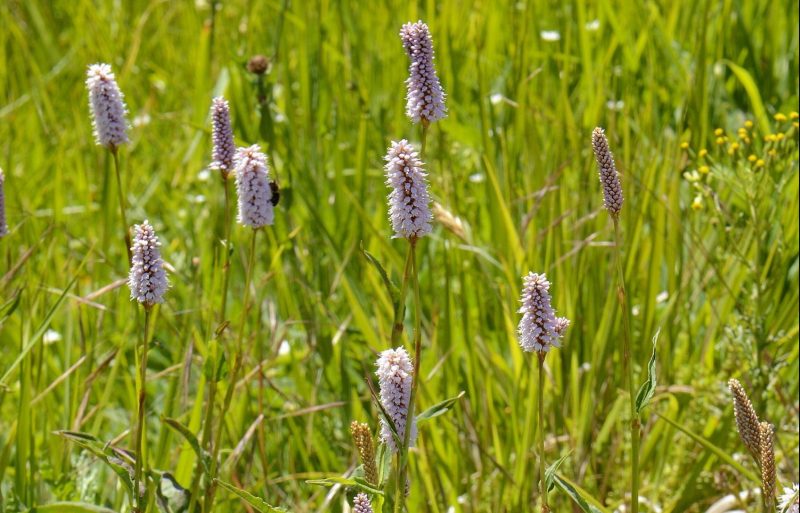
[609,178]
[746,419]
[107,104]
[258,64]
[767,452]
[362,439]
[425,99]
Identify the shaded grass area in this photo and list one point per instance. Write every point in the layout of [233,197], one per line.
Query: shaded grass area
[511,166]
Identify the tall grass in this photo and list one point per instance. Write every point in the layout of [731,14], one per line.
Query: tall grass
[511,162]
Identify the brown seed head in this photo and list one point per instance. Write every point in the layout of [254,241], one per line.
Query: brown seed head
[362,439]
[607,169]
[767,463]
[746,418]
[258,64]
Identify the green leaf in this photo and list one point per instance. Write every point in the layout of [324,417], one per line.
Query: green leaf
[42,328]
[751,89]
[251,499]
[202,455]
[724,456]
[440,408]
[584,501]
[394,292]
[71,507]
[550,472]
[103,452]
[352,482]
[648,388]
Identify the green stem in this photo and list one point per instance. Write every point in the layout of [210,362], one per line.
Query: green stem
[141,502]
[628,364]
[237,364]
[122,206]
[227,265]
[543,485]
[403,455]
[400,310]
[424,138]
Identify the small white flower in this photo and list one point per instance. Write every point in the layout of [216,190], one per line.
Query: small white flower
[789,501]
[550,35]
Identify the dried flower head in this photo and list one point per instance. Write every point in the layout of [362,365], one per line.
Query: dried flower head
[609,178]
[767,451]
[450,221]
[395,377]
[223,149]
[147,279]
[409,201]
[538,330]
[3,223]
[258,64]
[362,439]
[425,99]
[789,501]
[108,107]
[746,419]
[252,185]
[361,504]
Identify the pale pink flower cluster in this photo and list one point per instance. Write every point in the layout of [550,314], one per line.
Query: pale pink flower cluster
[539,329]
[395,377]
[108,107]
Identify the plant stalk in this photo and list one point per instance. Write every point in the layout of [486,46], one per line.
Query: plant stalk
[543,485]
[400,310]
[122,207]
[237,364]
[628,364]
[141,501]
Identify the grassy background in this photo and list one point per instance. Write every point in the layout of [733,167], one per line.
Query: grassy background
[512,162]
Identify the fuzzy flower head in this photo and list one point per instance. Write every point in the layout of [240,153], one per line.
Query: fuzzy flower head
[539,329]
[361,504]
[223,150]
[789,501]
[425,99]
[409,201]
[609,178]
[395,376]
[108,107]
[147,279]
[3,223]
[252,185]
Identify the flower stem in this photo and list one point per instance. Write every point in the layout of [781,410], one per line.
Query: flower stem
[403,454]
[424,138]
[122,206]
[237,364]
[141,500]
[626,358]
[400,309]
[227,258]
[543,485]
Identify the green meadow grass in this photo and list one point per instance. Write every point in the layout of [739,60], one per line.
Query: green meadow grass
[717,281]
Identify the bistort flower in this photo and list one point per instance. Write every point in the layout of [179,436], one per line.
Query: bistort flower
[409,201]
[147,279]
[609,178]
[108,107]
[425,99]
[395,377]
[361,504]
[223,150]
[252,185]
[538,330]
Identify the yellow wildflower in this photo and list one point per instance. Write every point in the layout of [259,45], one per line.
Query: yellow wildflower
[748,124]
[697,204]
[752,158]
[703,153]
[704,169]
[760,163]
[794,115]
[780,117]
[684,145]
[718,132]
